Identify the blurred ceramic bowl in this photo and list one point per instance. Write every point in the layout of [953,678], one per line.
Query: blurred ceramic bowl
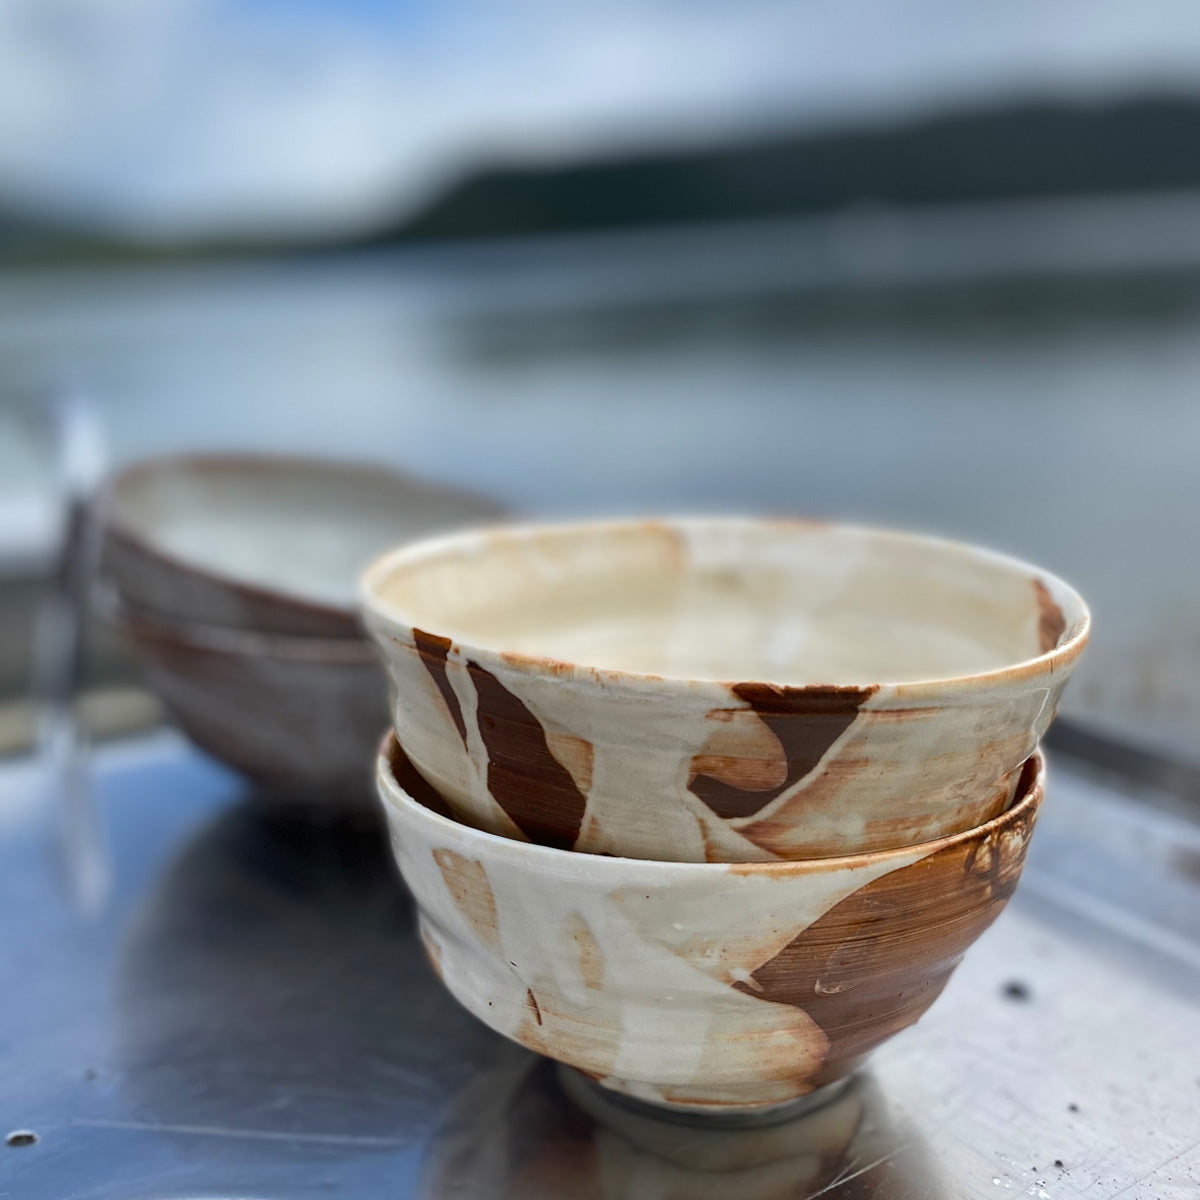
[707,986]
[299,716]
[569,685]
[272,544]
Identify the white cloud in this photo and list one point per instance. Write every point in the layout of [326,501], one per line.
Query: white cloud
[192,116]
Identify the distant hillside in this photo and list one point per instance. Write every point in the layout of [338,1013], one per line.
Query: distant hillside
[29,239]
[1036,149]
[23,236]
[1043,149]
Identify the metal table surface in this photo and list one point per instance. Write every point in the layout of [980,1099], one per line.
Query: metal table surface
[247,1015]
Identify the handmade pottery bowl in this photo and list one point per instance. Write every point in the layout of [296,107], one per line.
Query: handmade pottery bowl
[570,685]
[299,716]
[711,986]
[271,544]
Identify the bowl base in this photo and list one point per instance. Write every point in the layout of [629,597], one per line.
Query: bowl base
[589,1093]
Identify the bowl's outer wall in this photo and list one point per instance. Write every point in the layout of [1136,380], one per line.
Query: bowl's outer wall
[710,771]
[738,986]
[305,727]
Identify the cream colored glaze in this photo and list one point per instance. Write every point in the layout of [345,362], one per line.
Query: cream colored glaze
[787,602]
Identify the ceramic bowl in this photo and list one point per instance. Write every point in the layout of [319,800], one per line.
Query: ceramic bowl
[271,544]
[706,986]
[720,690]
[299,716]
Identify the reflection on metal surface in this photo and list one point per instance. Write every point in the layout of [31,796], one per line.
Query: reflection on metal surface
[273,971]
[526,1131]
[251,1015]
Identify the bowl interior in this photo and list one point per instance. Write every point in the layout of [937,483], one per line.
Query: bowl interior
[791,602]
[299,527]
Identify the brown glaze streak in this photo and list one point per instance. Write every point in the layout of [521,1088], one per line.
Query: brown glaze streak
[776,832]
[591,957]
[1051,622]
[562,1032]
[468,885]
[875,962]
[576,754]
[805,721]
[413,782]
[523,776]
[532,1004]
[433,652]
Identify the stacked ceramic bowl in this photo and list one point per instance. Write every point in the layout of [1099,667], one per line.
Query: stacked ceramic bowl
[708,809]
[234,579]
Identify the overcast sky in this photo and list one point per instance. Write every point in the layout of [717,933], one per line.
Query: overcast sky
[189,117]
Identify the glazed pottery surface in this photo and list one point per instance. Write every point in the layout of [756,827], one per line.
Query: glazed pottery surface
[698,985]
[298,715]
[271,544]
[729,690]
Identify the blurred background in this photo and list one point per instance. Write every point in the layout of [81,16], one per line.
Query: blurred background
[922,264]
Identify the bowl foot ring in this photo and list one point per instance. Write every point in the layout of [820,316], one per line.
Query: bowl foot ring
[590,1095]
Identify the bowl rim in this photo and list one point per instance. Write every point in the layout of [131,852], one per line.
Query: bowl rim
[228,641]
[577,863]
[115,524]
[379,614]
